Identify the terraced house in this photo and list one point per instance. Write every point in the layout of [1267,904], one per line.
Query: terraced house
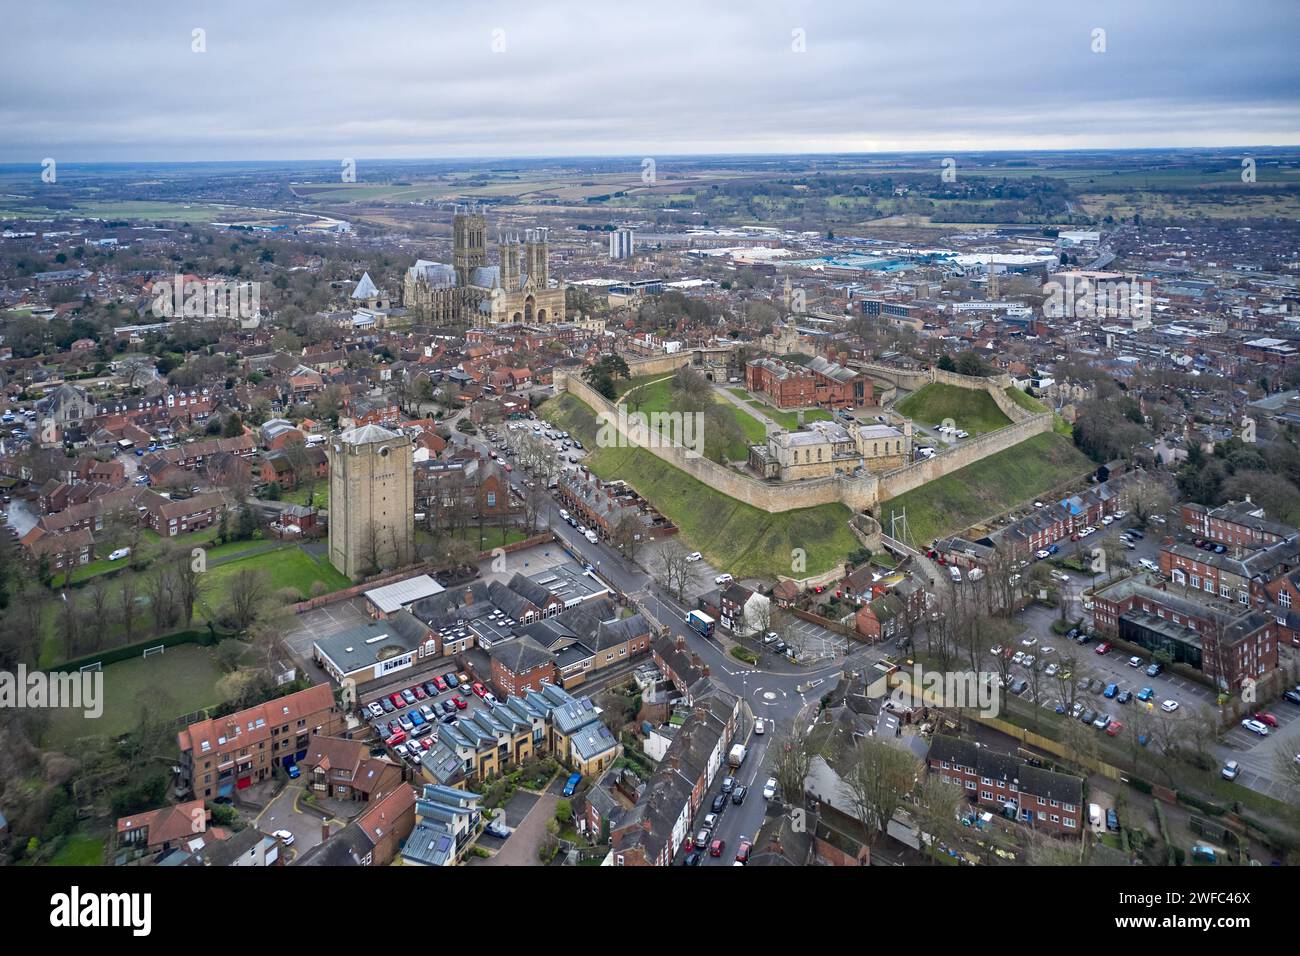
[1042,799]
[489,742]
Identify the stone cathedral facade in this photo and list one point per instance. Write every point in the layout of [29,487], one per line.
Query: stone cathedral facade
[470,292]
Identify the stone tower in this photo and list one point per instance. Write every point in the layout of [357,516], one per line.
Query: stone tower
[468,241]
[537,244]
[372,501]
[508,247]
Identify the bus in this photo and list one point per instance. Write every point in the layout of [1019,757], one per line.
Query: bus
[700,622]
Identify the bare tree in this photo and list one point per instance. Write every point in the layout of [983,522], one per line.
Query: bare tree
[70,623]
[100,596]
[674,572]
[793,754]
[160,587]
[879,777]
[126,596]
[247,591]
[937,806]
[190,583]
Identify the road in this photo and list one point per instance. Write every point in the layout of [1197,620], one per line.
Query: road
[775,690]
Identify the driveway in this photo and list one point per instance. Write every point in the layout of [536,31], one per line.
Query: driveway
[285,813]
[521,848]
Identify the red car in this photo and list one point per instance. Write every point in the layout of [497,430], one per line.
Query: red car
[1113,728]
[745,849]
[1103,648]
[480,689]
[419,693]
[459,702]
[398,700]
[396,739]
[439,683]
[1265,718]
[716,847]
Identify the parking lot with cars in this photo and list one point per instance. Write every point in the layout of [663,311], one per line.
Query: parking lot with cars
[407,716]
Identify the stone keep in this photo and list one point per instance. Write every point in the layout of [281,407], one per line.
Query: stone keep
[372,501]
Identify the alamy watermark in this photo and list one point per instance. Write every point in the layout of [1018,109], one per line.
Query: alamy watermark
[206,299]
[972,690]
[655,430]
[1098,299]
[41,690]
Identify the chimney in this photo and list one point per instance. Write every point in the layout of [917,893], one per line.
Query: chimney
[705,670]
[681,642]
[695,659]
[469,596]
[324,830]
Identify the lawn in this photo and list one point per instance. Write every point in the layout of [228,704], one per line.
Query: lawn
[490,536]
[80,850]
[298,496]
[734,536]
[790,420]
[289,567]
[1024,400]
[655,394]
[178,681]
[989,487]
[972,409]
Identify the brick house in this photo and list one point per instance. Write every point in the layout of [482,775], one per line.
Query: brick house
[342,768]
[1041,799]
[521,665]
[223,754]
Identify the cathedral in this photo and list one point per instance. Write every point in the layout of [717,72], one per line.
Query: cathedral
[470,292]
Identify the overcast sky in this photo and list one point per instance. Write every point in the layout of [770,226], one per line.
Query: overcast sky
[281,79]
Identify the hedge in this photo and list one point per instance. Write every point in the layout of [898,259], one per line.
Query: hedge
[203,638]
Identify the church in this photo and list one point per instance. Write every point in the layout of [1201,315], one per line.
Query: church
[472,293]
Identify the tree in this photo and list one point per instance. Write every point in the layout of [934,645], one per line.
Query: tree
[879,777]
[100,595]
[937,806]
[190,583]
[674,571]
[792,762]
[247,591]
[628,533]
[161,589]
[126,596]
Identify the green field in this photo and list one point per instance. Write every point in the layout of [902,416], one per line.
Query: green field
[178,681]
[972,409]
[733,536]
[289,567]
[654,393]
[790,420]
[80,850]
[987,488]
[1024,400]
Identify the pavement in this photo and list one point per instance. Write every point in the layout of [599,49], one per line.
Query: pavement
[520,849]
[285,812]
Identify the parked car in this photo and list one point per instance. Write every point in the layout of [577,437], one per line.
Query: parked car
[1155,669]
[694,556]
[716,847]
[1114,728]
[284,836]
[692,859]
[452,680]
[374,709]
[408,695]
[1088,715]
[1145,694]
[1231,770]
[1135,662]
[1102,721]
[1111,690]
[459,702]
[479,689]
[1125,696]
[719,803]
[1112,819]
[742,854]
[710,821]
[1293,696]
[1169,706]
[728,784]
[723,579]
[702,839]
[769,788]
[1266,718]
[571,784]
[738,795]
[1103,648]
[1255,726]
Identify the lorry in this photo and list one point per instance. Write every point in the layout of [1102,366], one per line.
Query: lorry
[737,755]
[700,622]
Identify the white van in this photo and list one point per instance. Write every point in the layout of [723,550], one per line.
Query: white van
[1094,815]
[591,536]
[1150,565]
